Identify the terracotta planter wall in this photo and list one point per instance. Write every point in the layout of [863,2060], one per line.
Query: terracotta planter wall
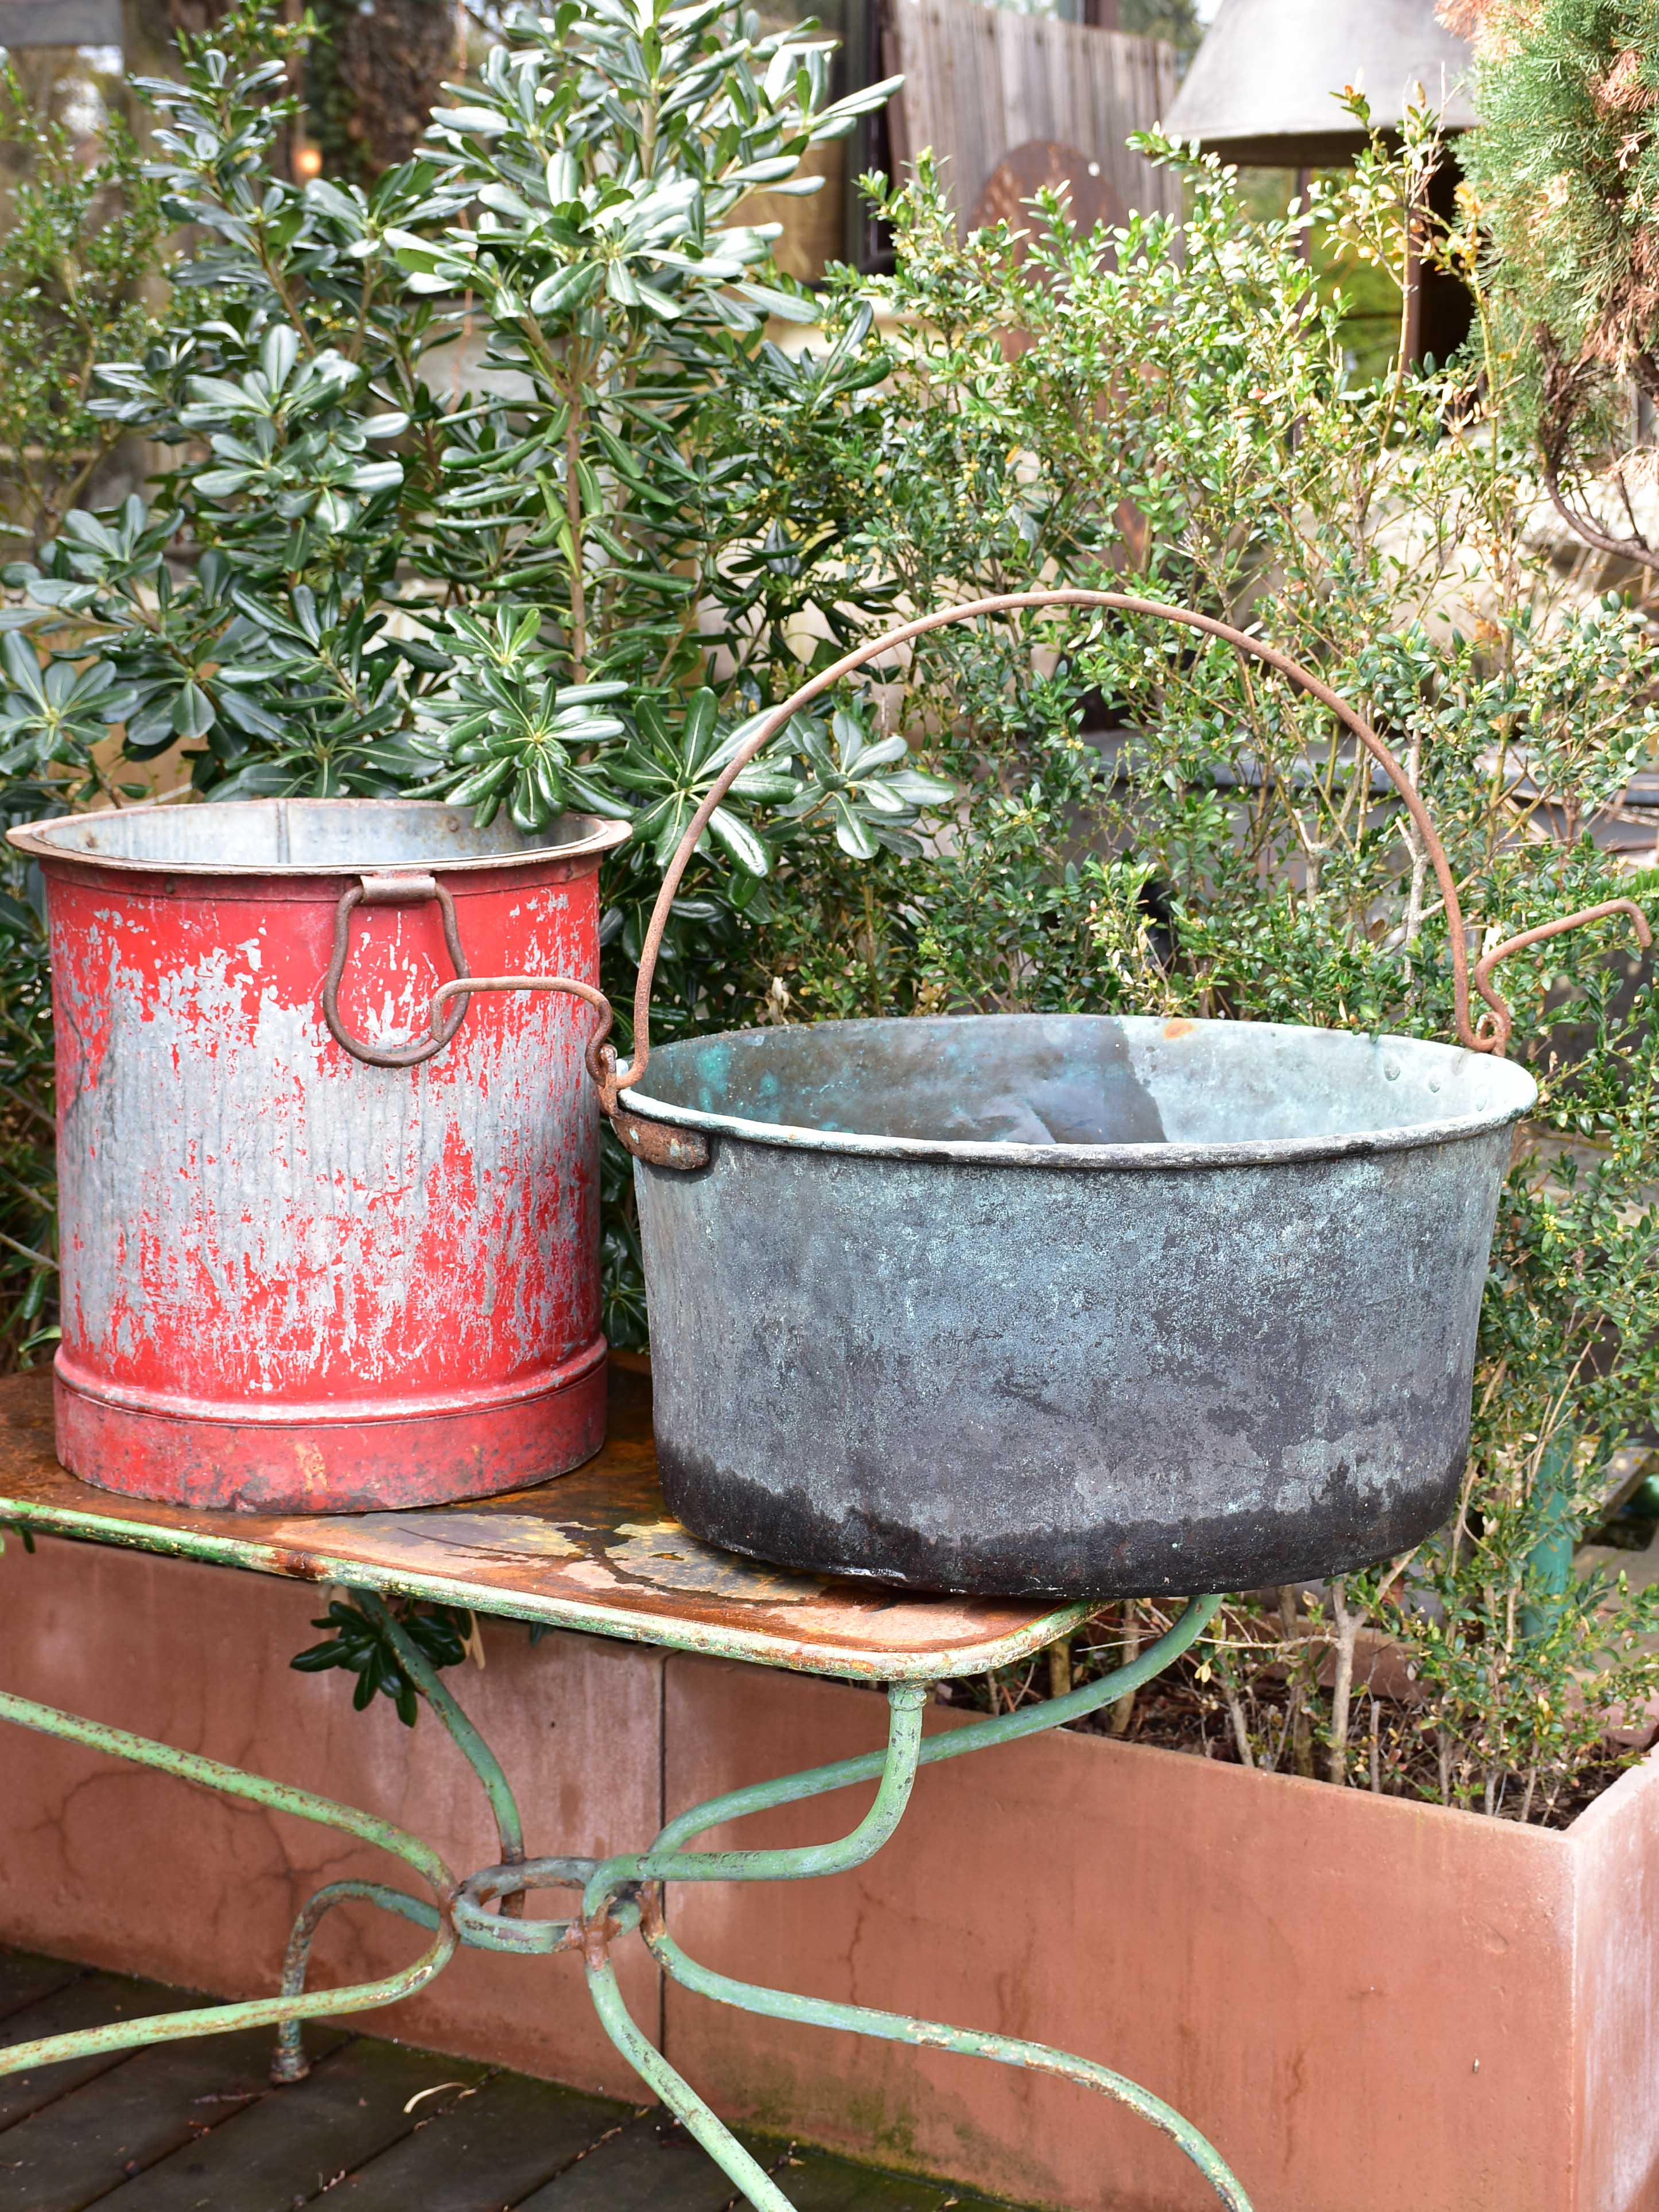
[1360,2000]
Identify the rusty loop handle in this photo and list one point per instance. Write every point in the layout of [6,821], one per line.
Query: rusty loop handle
[405,890]
[1491,1033]
[465,985]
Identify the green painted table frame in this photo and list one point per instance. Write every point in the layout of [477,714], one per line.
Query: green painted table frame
[621,1896]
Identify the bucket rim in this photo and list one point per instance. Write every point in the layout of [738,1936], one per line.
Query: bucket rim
[595,836]
[1123,1158]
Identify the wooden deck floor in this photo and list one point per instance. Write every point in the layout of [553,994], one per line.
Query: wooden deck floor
[196,2127]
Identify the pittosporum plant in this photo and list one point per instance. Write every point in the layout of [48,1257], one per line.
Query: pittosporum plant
[604,162]
[442,516]
[81,236]
[240,610]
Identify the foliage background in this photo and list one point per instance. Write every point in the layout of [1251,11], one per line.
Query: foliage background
[1562,172]
[487,477]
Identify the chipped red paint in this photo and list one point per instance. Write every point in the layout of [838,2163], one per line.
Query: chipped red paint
[292,1282]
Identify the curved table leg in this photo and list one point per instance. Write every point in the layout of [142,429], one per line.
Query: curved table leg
[475,1928]
[618,1895]
[969,2042]
[638,1875]
[681,2099]
[492,1778]
[223,2019]
[289,2062]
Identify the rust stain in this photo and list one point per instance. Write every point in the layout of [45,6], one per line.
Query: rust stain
[658,1145]
[1179,1028]
[296,1567]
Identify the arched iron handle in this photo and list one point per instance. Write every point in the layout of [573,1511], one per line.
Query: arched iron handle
[1491,1033]
[404,889]
[1488,961]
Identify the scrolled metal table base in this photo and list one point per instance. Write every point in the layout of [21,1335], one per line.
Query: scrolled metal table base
[619,1897]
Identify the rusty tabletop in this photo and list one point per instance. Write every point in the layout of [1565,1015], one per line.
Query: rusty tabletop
[595,1550]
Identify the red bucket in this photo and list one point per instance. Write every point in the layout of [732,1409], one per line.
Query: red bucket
[292,1280]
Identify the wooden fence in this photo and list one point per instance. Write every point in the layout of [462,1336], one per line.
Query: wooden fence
[980,82]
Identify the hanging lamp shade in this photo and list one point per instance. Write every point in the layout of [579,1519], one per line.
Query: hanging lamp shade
[1260,88]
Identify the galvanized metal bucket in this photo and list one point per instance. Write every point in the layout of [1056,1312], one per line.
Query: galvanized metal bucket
[1082,1305]
[303,1271]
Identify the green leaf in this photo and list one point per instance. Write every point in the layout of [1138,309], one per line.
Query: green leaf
[23,666]
[698,730]
[768,172]
[422,653]
[579,729]
[501,199]
[763,784]
[787,307]
[223,483]
[565,290]
[739,841]
[487,782]
[917,789]
[526,805]
[278,355]
[192,711]
[668,824]
[548,782]
[585,788]
[376,476]
[852,832]
[338,204]
[585,694]
[483,122]
[150,731]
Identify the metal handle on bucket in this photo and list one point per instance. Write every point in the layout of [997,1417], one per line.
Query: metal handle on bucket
[405,888]
[1490,1033]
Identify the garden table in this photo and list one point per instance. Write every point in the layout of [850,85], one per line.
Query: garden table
[596,1551]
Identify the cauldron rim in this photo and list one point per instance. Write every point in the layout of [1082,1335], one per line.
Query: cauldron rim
[1146,1157]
